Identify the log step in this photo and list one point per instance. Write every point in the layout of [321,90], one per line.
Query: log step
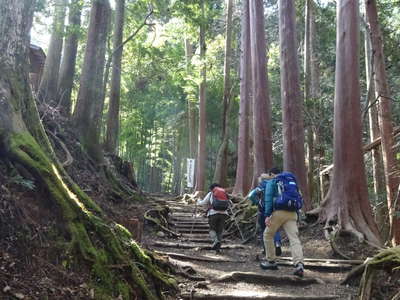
[190,230]
[193,246]
[190,226]
[197,295]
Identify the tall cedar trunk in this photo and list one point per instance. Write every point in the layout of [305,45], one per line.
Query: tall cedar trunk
[317,102]
[89,106]
[221,165]
[292,104]
[202,151]
[67,69]
[347,198]
[242,180]
[92,241]
[191,104]
[374,133]
[308,97]
[261,104]
[48,85]
[385,121]
[111,142]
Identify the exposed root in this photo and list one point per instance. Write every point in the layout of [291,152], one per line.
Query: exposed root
[196,295]
[198,258]
[69,159]
[250,277]
[154,216]
[93,241]
[386,259]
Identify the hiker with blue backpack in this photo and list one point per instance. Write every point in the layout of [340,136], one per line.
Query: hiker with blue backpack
[257,197]
[218,203]
[283,201]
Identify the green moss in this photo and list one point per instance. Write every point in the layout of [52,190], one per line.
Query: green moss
[116,247]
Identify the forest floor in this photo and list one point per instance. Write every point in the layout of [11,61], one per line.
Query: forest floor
[235,273]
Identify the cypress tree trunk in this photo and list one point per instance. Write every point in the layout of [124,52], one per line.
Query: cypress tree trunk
[92,241]
[347,199]
[202,151]
[392,174]
[261,104]
[309,97]
[89,106]
[292,103]
[191,104]
[48,85]
[242,181]
[111,142]
[67,69]
[221,165]
[374,133]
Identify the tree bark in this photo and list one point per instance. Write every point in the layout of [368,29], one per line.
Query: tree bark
[68,62]
[385,121]
[202,151]
[242,182]
[191,104]
[89,106]
[292,103]
[309,94]
[347,198]
[374,133]
[261,103]
[221,167]
[23,140]
[48,85]
[111,142]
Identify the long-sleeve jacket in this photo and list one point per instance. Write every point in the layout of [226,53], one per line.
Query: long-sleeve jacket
[207,201]
[270,189]
[271,192]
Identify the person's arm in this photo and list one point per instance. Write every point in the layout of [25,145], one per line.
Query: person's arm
[205,201]
[253,195]
[269,197]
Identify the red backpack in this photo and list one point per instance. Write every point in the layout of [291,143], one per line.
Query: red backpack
[220,200]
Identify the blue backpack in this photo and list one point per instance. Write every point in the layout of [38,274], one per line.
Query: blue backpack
[289,197]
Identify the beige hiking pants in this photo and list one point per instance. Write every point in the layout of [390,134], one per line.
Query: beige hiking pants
[288,220]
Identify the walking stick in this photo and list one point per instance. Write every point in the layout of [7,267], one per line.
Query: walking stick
[194,214]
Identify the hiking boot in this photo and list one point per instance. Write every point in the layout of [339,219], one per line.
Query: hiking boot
[216,246]
[269,265]
[299,270]
[278,251]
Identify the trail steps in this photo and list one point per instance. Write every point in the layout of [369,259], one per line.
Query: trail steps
[224,275]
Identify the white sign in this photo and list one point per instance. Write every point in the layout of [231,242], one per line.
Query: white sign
[190,172]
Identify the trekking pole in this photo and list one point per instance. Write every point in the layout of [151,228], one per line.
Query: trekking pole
[194,218]
[237,225]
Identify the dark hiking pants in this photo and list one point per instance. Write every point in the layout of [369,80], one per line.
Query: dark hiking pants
[217,225]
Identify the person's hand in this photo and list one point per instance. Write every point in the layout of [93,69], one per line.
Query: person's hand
[267,221]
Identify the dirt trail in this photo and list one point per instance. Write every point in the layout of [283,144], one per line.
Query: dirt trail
[235,273]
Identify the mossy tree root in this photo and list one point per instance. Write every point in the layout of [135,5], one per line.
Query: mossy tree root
[149,217]
[388,258]
[99,244]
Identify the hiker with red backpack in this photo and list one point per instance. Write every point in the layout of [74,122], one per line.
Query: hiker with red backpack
[257,197]
[218,204]
[283,201]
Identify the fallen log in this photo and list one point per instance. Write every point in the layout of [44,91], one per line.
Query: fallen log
[197,295]
[251,277]
[198,258]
